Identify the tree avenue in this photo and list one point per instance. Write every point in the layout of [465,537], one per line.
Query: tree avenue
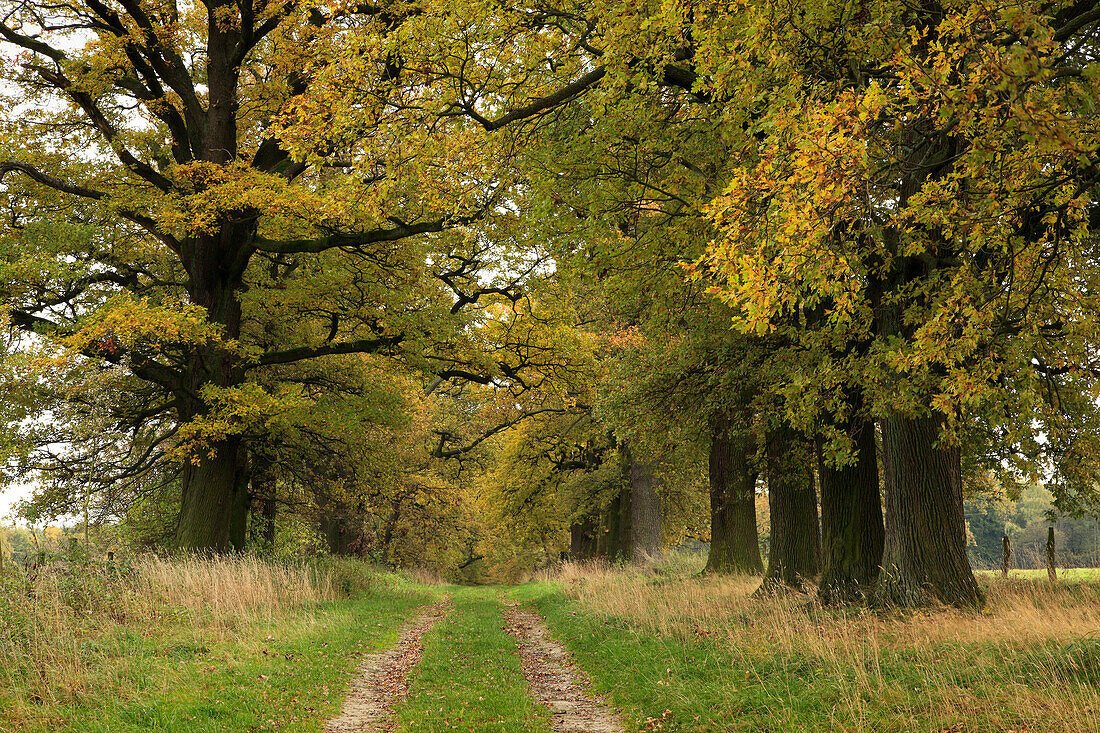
[484,283]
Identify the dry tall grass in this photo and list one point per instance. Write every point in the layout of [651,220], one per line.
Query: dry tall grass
[232,584]
[1032,656]
[67,633]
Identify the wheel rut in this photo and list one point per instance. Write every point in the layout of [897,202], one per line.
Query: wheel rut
[383,679]
[555,681]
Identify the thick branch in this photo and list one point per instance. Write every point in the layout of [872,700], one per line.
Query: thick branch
[320,244]
[542,104]
[142,367]
[7,166]
[106,129]
[301,353]
[440,452]
[1076,24]
[145,222]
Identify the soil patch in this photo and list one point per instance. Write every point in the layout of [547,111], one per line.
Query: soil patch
[383,679]
[555,681]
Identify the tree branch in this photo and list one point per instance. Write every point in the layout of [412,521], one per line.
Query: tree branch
[362,346]
[145,222]
[440,452]
[7,166]
[542,104]
[320,244]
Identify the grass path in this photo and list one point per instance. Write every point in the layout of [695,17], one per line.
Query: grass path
[383,678]
[555,681]
[470,678]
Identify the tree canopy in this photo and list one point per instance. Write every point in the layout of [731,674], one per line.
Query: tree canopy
[473,284]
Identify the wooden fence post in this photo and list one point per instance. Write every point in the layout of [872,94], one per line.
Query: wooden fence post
[1006,556]
[1050,555]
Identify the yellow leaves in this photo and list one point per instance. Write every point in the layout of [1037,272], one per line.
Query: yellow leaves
[226,17]
[777,218]
[232,411]
[209,193]
[124,323]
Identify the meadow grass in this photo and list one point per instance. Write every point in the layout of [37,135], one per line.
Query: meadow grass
[682,652]
[470,678]
[1065,575]
[194,644]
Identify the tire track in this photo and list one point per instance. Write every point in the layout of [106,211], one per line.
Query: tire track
[555,681]
[383,679]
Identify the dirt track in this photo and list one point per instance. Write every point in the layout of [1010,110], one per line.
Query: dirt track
[555,681]
[383,679]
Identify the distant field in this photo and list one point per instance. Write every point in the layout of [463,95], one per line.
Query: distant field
[1070,575]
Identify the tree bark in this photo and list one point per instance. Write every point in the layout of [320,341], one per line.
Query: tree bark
[614,540]
[213,511]
[214,507]
[734,541]
[795,555]
[645,515]
[852,531]
[924,559]
[582,539]
[218,476]
[263,495]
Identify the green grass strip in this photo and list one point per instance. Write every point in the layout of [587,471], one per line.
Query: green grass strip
[289,675]
[631,668]
[470,677]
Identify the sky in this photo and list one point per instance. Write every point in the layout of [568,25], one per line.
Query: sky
[9,497]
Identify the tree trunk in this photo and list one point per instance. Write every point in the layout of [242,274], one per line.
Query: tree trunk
[1052,573]
[924,559]
[341,524]
[734,542]
[795,555]
[214,507]
[263,494]
[614,540]
[645,515]
[214,504]
[582,539]
[389,531]
[852,532]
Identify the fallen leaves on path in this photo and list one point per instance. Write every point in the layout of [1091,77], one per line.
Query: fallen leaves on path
[555,681]
[384,679]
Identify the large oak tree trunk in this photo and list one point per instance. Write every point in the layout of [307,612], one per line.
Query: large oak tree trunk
[614,541]
[852,532]
[924,559]
[263,482]
[214,507]
[645,515]
[734,542]
[795,555]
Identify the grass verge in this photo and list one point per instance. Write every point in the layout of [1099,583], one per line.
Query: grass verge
[254,648]
[700,654]
[470,678]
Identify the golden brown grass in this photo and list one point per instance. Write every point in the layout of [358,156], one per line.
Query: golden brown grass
[229,585]
[67,633]
[1031,657]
